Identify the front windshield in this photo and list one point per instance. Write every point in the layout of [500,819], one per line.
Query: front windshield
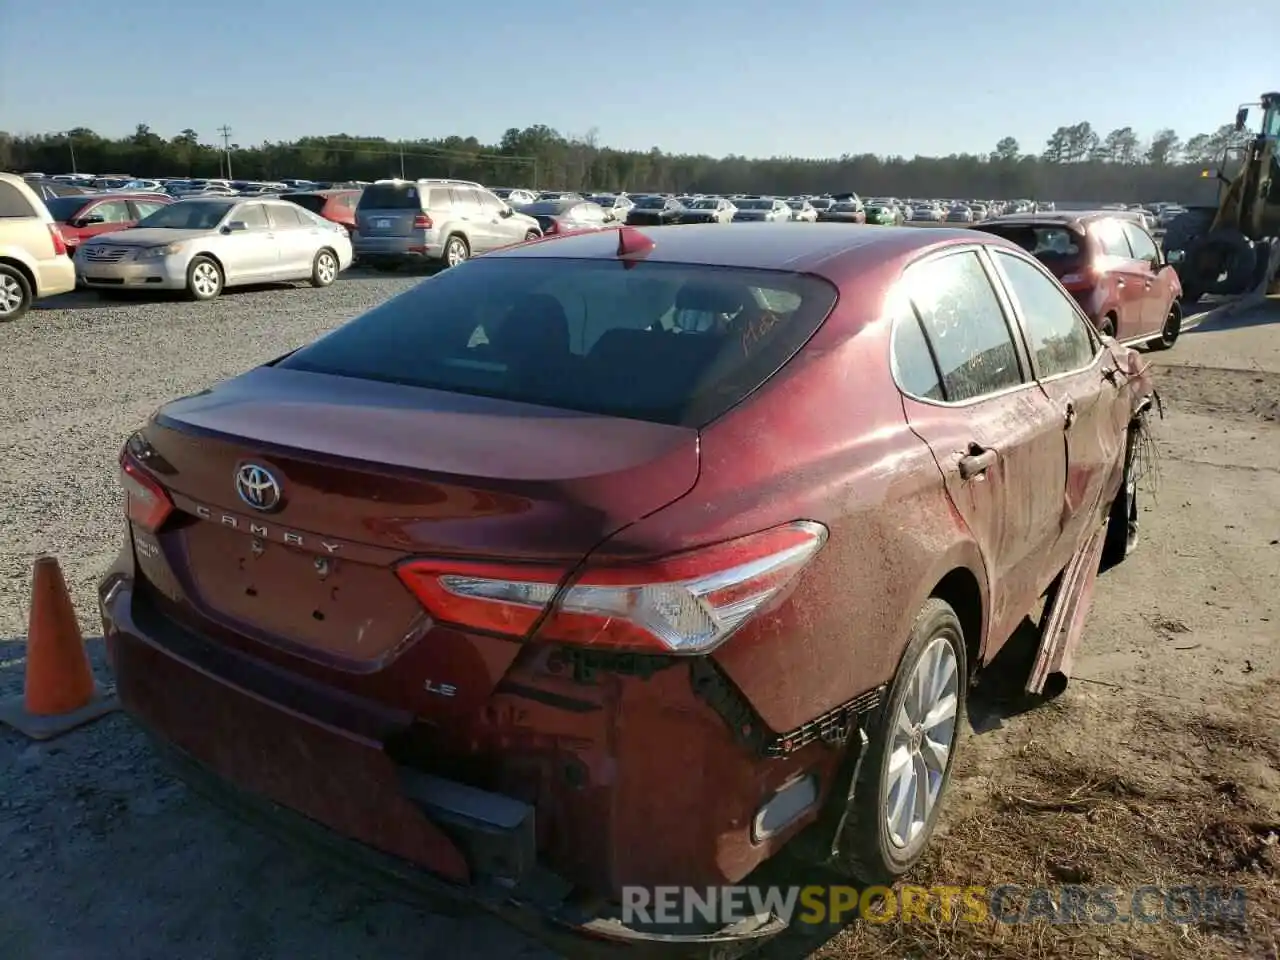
[187,215]
[1271,122]
[652,203]
[796,204]
[755,204]
[704,204]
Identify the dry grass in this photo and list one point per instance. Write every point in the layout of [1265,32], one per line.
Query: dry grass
[1166,799]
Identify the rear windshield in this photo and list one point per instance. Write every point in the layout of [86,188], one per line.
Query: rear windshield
[662,342]
[390,196]
[63,209]
[308,201]
[1058,248]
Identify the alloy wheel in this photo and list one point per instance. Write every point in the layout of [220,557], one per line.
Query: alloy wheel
[204,278]
[326,268]
[10,295]
[922,737]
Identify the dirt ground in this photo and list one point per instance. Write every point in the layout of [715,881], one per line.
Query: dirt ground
[1160,764]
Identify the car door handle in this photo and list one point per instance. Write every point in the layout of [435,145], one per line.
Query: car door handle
[1069,414]
[976,462]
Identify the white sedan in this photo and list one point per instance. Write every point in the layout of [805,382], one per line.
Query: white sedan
[204,245]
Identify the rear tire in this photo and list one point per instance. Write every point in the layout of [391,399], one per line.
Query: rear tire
[204,279]
[455,252]
[1171,329]
[15,294]
[1122,523]
[904,775]
[324,269]
[532,235]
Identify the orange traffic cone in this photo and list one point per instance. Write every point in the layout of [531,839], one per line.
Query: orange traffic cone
[60,693]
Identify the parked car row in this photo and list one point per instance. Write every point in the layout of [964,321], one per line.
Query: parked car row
[122,241]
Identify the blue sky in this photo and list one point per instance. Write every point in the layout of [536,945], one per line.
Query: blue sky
[804,77]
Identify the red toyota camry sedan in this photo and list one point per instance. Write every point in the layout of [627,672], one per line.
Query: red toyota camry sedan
[630,557]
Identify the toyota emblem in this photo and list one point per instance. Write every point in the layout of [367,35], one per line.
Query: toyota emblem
[257,487]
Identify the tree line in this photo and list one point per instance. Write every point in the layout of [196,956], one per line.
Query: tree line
[1077,163]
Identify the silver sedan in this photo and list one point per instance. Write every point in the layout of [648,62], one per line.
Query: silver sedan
[204,245]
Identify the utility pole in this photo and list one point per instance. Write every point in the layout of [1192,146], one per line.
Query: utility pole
[226,146]
[401,145]
[71,142]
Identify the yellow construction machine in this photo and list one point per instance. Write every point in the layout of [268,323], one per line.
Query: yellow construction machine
[1232,247]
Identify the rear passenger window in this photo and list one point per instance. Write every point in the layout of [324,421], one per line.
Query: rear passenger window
[965,324]
[13,203]
[1058,335]
[913,366]
[1110,237]
[464,200]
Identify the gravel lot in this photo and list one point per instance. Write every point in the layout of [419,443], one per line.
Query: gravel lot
[104,856]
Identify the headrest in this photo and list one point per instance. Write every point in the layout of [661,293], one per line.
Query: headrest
[703,297]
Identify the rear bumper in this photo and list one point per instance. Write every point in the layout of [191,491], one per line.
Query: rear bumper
[54,276]
[270,747]
[420,247]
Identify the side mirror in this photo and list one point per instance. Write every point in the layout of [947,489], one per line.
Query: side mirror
[505,212]
[235,226]
[1242,117]
[89,221]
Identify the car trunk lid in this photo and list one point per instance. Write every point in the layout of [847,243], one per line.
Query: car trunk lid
[366,474]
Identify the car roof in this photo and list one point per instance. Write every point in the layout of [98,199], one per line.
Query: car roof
[819,248]
[127,195]
[1077,219]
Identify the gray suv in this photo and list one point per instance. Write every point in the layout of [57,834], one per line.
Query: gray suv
[443,220]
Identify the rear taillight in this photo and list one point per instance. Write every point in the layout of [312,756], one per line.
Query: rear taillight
[1086,278]
[422,222]
[59,241]
[688,603]
[147,503]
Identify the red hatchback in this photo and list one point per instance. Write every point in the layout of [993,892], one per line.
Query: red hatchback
[629,557]
[85,217]
[1110,264]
